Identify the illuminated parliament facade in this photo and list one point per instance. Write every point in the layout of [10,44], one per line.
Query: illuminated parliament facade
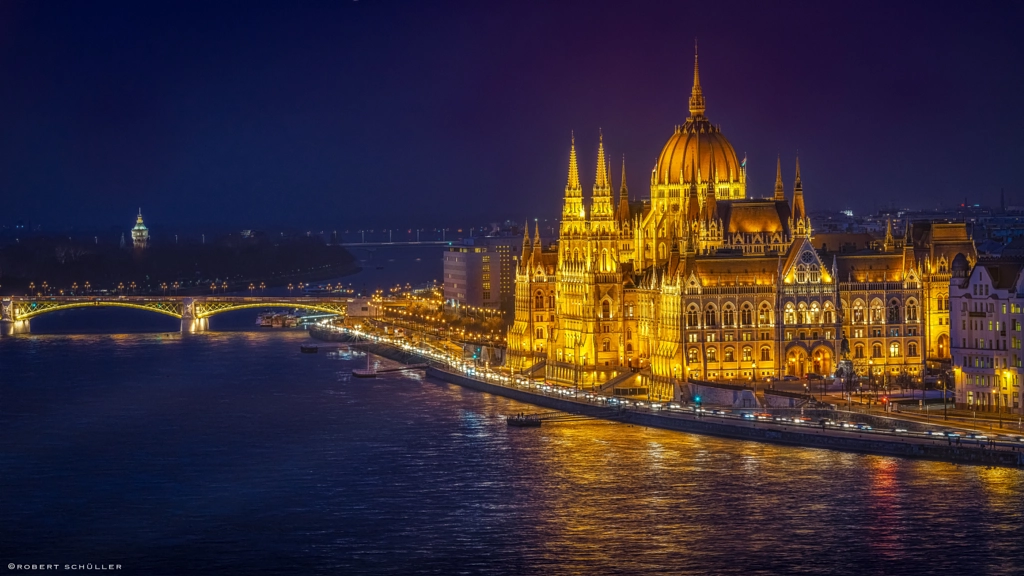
[701,282]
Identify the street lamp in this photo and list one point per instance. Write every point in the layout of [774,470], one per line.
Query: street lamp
[250,288]
[87,285]
[120,288]
[74,287]
[262,286]
[213,287]
[224,286]
[290,288]
[31,288]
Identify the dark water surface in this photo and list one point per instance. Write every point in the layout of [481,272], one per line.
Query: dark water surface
[234,453]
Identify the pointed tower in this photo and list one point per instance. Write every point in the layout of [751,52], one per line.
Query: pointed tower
[572,209]
[696,95]
[622,214]
[710,210]
[800,224]
[780,191]
[526,246]
[537,245]
[601,204]
[889,244]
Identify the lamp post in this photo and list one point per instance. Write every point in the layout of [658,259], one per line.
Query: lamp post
[290,287]
[87,285]
[31,288]
[262,287]
[250,289]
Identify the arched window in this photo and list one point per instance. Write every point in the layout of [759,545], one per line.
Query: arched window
[893,314]
[790,314]
[712,354]
[876,351]
[691,317]
[604,261]
[801,314]
[551,300]
[746,315]
[606,309]
[693,356]
[576,254]
[710,316]
[858,312]
[815,275]
[801,274]
[766,354]
[912,349]
[728,316]
[858,351]
[748,354]
[539,300]
[605,345]
[911,311]
[894,350]
[629,346]
[661,251]
[629,333]
[876,312]
[815,313]
[764,315]
[828,316]
[730,355]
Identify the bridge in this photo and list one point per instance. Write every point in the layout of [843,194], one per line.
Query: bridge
[193,311]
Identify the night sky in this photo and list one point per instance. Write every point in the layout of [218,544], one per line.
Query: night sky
[420,114]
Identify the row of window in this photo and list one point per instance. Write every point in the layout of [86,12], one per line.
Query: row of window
[728,354]
[894,350]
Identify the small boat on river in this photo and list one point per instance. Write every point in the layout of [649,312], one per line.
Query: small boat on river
[308,349]
[523,421]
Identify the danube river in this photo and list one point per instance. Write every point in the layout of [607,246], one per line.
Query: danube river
[232,452]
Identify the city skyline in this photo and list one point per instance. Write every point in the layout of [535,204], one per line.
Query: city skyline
[339,108]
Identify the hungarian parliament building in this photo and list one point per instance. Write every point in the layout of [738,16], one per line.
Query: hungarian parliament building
[700,282]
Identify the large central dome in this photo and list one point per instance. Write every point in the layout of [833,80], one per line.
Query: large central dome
[698,151]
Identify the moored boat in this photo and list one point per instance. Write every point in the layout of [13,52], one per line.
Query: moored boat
[523,421]
[308,349]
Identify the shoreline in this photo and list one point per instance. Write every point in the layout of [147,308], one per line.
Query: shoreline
[808,436]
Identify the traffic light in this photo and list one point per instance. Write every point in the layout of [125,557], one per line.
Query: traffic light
[697,400]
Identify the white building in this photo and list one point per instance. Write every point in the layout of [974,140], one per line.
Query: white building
[985,334]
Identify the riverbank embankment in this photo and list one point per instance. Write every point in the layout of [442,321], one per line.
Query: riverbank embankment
[810,435]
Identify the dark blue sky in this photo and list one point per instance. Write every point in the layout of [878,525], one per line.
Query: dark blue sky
[337,114]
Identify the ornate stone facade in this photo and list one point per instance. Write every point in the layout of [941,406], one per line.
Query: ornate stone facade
[700,282]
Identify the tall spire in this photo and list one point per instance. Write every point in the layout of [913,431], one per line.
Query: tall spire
[798,194]
[601,207]
[526,244]
[623,211]
[780,192]
[696,96]
[601,182]
[537,245]
[574,171]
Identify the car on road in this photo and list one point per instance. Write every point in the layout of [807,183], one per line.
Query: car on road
[789,378]
[862,426]
[801,420]
[813,376]
[719,412]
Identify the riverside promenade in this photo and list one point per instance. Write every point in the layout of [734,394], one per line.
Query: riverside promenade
[811,434]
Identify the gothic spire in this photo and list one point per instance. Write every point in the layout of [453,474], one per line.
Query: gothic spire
[696,95]
[799,211]
[780,191]
[601,182]
[574,171]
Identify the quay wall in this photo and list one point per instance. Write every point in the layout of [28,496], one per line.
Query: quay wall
[793,435]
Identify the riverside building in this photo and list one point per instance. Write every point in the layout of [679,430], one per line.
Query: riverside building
[700,281]
[986,301]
